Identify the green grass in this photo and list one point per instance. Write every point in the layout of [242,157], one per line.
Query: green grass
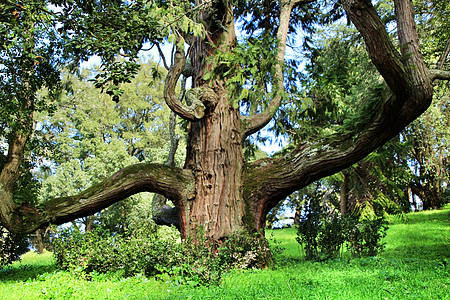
[414,265]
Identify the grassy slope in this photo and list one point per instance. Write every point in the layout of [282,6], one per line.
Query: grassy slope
[415,265]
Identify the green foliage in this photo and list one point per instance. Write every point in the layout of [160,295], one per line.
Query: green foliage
[336,91]
[428,141]
[29,60]
[138,251]
[248,70]
[93,137]
[433,28]
[151,251]
[365,236]
[323,234]
[111,29]
[415,264]
[11,246]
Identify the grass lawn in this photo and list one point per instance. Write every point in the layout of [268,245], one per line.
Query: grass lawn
[414,265]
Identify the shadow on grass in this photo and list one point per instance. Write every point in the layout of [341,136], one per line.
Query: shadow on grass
[24,272]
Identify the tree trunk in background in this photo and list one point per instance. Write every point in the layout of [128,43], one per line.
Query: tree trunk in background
[89,222]
[40,241]
[343,196]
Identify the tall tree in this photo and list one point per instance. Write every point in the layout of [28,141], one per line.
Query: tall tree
[428,139]
[92,137]
[216,189]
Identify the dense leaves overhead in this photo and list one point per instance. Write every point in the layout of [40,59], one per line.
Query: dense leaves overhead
[29,56]
[335,106]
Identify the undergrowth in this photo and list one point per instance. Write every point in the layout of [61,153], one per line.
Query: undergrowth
[414,265]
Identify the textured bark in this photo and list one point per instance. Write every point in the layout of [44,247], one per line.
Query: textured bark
[9,175]
[216,190]
[215,157]
[171,182]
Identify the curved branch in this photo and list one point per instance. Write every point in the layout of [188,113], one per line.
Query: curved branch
[171,182]
[382,52]
[254,123]
[439,74]
[193,112]
[409,95]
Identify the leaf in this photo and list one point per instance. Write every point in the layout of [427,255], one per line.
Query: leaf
[207,76]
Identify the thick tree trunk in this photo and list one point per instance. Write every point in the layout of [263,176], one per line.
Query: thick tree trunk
[216,191]
[215,156]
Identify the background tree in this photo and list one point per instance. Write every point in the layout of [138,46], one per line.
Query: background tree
[92,137]
[216,189]
[428,139]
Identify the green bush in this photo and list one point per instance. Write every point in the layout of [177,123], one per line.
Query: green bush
[322,234]
[364,236]
[146,250]
[11,246]
[137,251]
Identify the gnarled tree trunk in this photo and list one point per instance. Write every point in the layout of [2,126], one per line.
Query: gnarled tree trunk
[216,190]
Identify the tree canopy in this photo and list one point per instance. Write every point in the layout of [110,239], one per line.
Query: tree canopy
[239,84]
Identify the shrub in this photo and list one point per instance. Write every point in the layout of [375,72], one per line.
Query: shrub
[146,250]
[244,250]
[134,252]
[364,236]
[322,234]
[11,246]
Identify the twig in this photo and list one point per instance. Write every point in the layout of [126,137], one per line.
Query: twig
[162,56]
[291,290]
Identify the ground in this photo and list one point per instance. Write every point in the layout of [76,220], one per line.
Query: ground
[414,265]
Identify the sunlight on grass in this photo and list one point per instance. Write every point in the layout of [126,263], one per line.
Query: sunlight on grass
[414,265]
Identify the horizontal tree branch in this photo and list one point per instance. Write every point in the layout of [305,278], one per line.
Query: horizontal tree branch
[439,74]
[173,183]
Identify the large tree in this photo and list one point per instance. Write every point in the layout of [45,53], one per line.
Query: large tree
[237,88]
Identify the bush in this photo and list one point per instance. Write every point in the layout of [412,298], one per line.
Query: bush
[364,236]
[11,246]
[147,250]
[137,251]
[322,234]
